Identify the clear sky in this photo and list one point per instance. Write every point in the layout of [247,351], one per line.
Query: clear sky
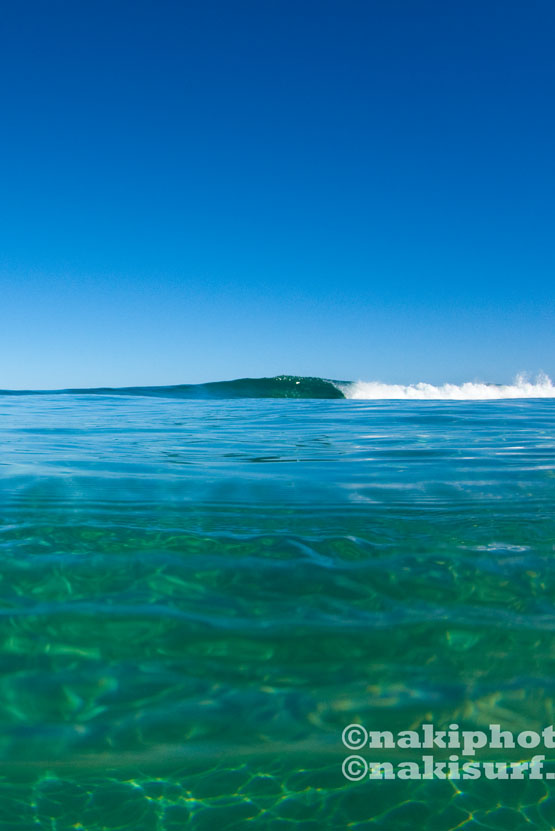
[196,191]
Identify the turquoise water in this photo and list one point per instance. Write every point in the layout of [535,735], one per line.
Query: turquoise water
[197,596]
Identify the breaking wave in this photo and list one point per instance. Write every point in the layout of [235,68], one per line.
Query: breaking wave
[542,387]
[298,386]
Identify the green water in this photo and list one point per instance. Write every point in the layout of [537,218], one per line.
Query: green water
[198,596]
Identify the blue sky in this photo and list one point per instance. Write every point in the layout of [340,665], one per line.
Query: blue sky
[195,191]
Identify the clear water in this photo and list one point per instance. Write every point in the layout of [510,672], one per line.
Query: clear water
[197,596]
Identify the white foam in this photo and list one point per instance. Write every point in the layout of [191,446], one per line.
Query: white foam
[542,387]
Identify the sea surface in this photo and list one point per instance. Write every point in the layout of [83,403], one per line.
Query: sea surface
[199,593]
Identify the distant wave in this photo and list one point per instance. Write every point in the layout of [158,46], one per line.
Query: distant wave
[298,386]
[281,386]
[542,387]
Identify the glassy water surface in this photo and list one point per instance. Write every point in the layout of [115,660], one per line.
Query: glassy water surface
[198,596]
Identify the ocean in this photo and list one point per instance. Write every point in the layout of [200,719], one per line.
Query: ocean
[202,587]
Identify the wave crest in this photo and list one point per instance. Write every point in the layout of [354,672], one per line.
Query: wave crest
[521,387]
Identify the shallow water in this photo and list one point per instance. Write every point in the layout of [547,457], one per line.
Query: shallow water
[198,596]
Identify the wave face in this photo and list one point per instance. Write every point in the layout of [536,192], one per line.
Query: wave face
[542,387]
[281,386]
